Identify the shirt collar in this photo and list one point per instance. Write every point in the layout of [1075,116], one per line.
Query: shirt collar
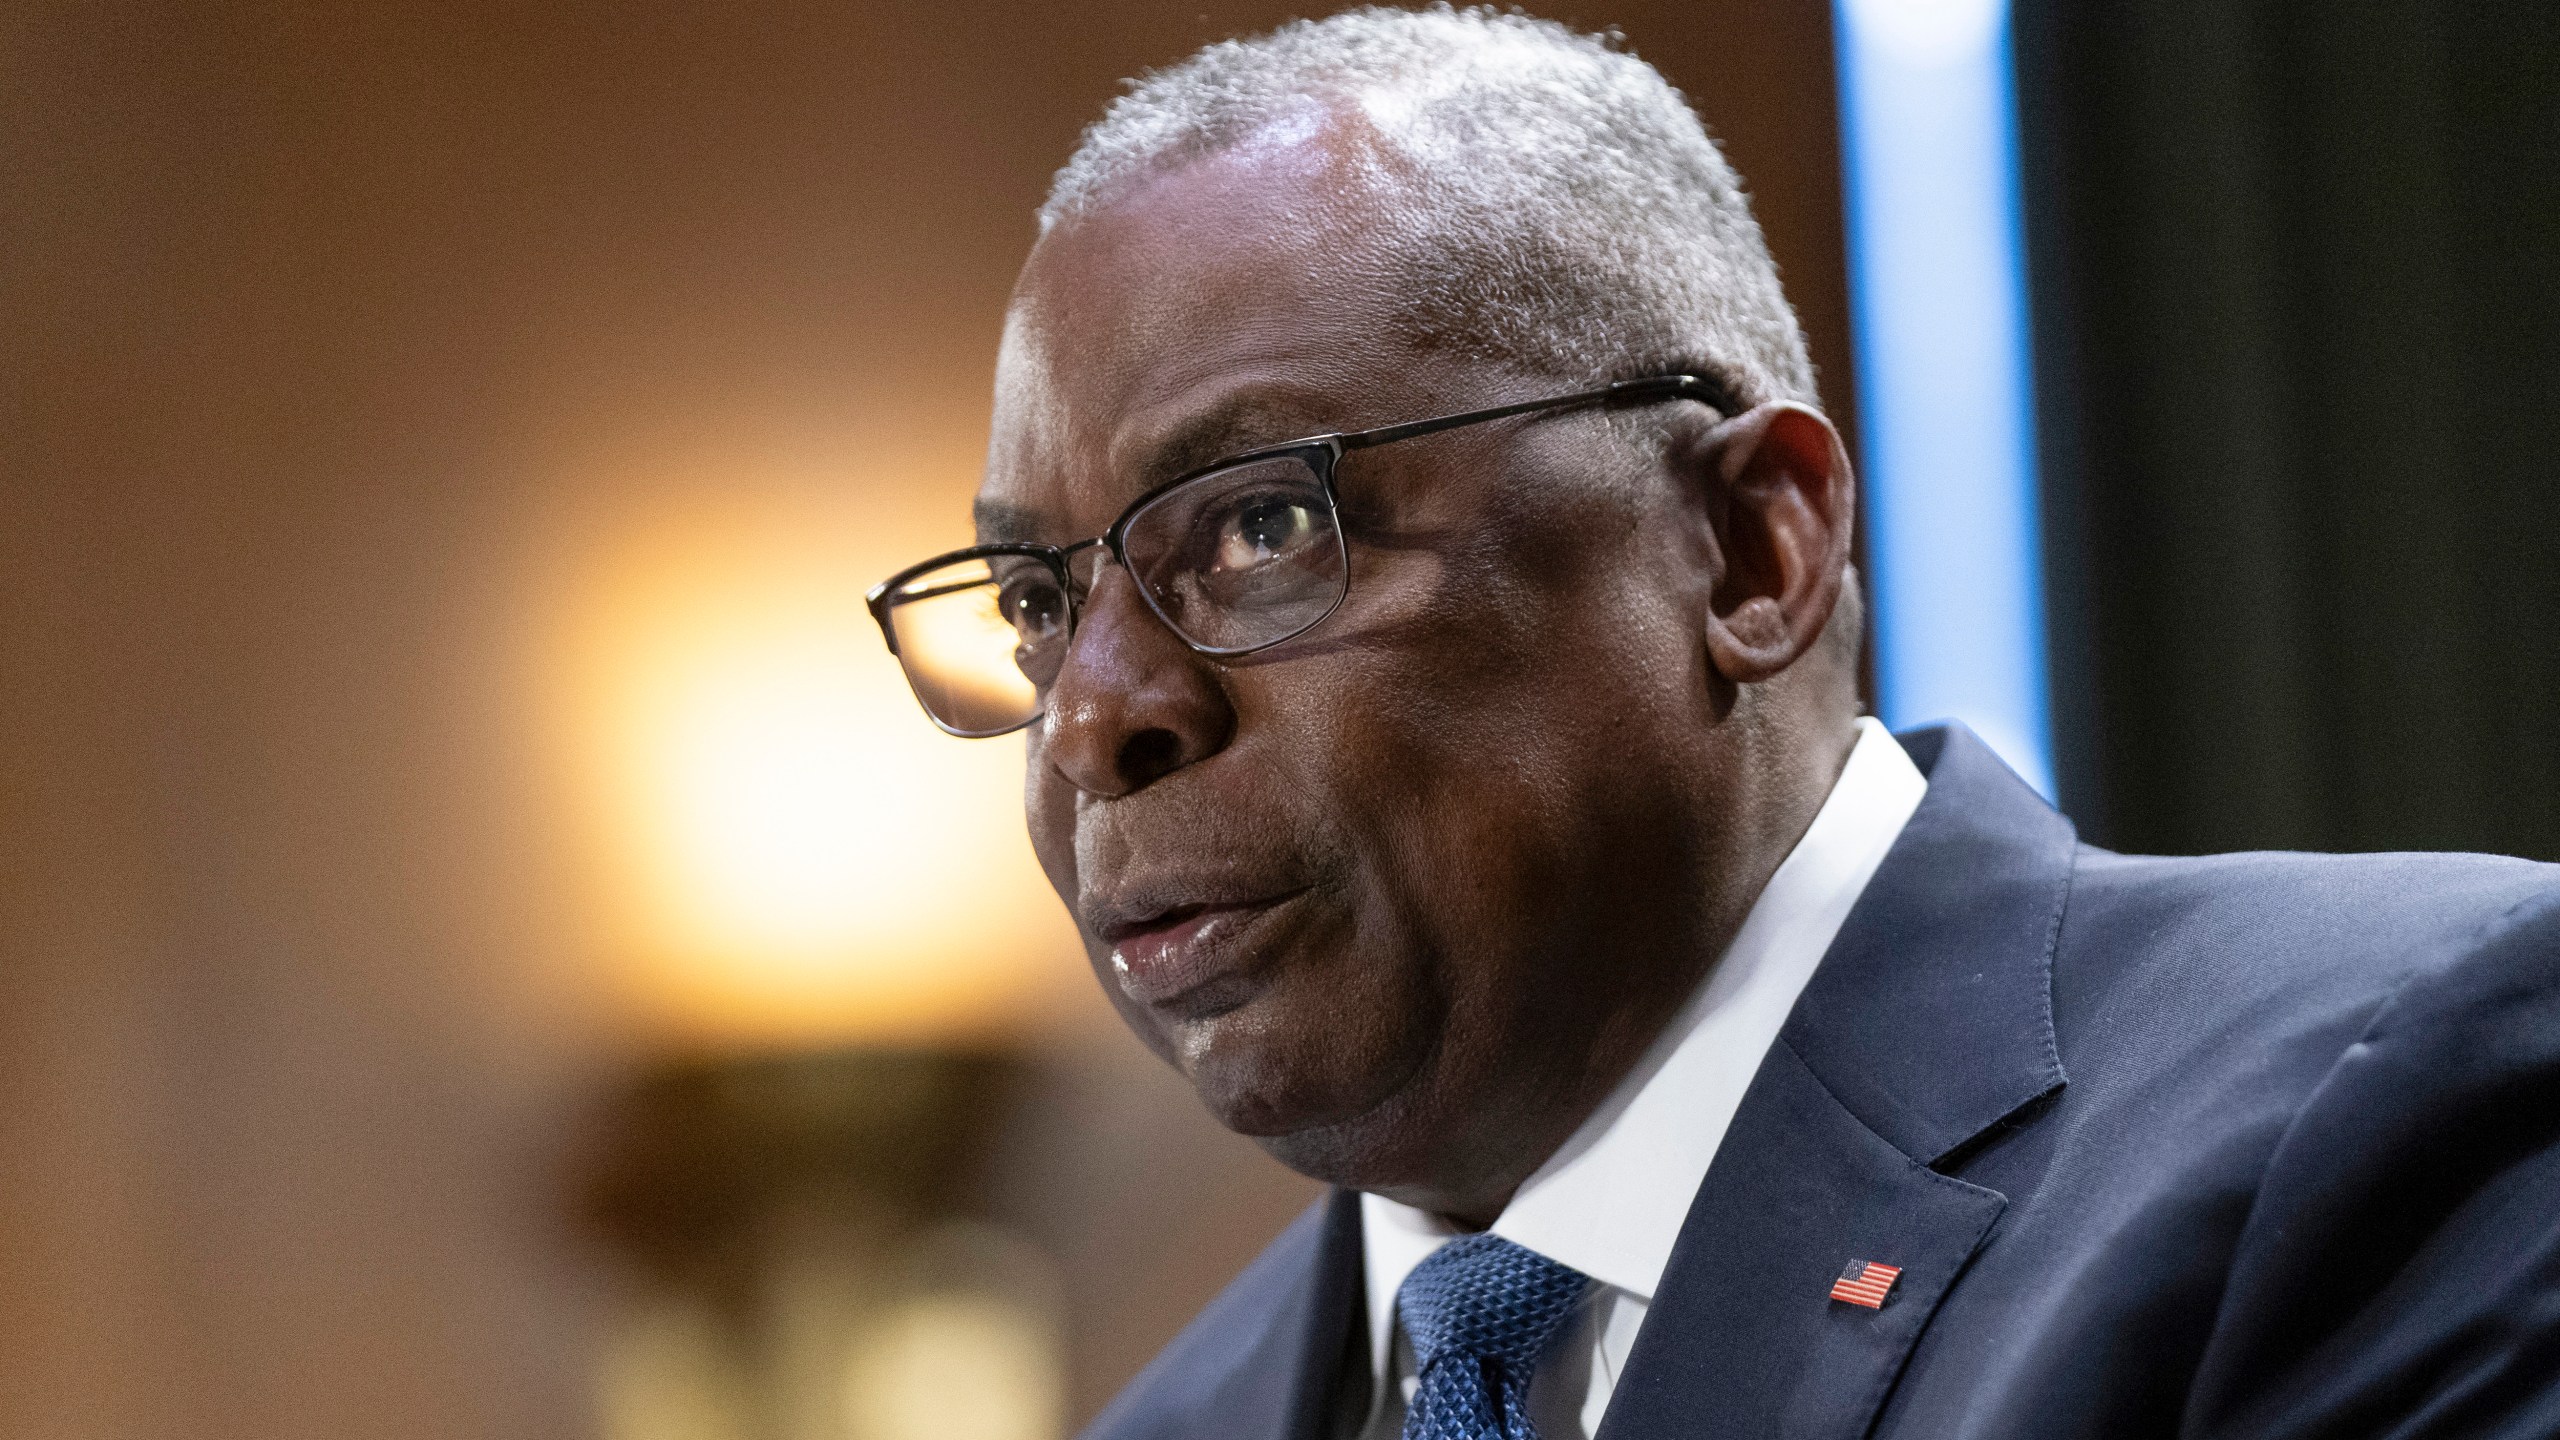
[1611,1200]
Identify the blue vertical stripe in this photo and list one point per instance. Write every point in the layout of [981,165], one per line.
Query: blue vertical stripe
[1938,288]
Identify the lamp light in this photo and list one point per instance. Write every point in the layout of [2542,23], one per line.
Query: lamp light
[823,920]
[785,852]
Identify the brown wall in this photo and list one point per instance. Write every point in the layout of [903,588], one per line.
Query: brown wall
[329,328]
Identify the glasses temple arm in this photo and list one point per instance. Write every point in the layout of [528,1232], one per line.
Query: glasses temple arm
[1714,393]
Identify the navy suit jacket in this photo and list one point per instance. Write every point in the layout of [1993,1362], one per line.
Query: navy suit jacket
[2247,1145]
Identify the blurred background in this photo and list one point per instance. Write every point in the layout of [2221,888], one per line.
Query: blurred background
[487,946]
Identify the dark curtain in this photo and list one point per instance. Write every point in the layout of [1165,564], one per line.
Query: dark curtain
[2296,270]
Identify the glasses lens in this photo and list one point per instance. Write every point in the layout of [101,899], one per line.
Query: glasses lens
[981,640]
[1242,557]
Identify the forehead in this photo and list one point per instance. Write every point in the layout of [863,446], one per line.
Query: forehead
[1234,300]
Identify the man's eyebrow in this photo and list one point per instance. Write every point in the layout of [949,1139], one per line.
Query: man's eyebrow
[1239,423]
[1001,522]
[1231,426]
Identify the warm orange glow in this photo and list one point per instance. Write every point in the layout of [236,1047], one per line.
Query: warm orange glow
[791,853]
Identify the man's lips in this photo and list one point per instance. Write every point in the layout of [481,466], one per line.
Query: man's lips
[1173,953]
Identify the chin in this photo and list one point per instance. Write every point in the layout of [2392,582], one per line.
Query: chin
[1330,1110]
[1261,1089]
[1312,1051]
[1367,1152]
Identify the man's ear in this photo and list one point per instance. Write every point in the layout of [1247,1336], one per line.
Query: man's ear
[1782,506]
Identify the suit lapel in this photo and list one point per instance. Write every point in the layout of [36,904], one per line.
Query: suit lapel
[1929,1021]
[1931,1017]
[1742,1338]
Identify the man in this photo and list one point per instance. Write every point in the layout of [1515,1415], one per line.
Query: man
[1479,814]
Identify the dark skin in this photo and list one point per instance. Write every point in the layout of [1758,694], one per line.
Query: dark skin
[1451,861]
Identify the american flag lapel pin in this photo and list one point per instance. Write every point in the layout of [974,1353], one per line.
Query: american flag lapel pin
[1866,1283]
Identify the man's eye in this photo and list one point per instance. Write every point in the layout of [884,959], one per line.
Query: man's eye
[1261,530]
[1035,607]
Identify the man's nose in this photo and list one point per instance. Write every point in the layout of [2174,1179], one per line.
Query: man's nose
[1133,703]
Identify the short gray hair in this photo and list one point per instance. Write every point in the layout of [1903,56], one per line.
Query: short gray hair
[1584,223]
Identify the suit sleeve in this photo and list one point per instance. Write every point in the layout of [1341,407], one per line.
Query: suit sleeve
[2399,1275]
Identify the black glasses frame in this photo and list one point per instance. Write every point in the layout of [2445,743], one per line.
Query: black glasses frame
[1321,453]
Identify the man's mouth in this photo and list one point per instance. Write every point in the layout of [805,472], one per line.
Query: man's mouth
[1181,953]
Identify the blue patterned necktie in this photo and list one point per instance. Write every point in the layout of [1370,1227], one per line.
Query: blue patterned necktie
[1480,1312]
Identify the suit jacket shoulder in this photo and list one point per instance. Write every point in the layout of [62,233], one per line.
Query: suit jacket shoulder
[2400,1265]
[2282,1191]
[2273,943]
[2204,1002]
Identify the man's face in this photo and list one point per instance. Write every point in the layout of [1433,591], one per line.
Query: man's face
[1397,893]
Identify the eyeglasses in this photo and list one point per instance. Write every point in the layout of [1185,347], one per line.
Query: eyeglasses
[1235,557]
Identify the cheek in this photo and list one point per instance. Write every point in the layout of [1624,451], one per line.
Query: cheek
[1440,825]
[1049,811]
[1463,854]
[1512,779]
[1049,808]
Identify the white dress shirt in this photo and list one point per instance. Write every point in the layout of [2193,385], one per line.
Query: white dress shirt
[1611,1200]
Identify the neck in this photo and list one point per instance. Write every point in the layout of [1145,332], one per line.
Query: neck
[1774,783]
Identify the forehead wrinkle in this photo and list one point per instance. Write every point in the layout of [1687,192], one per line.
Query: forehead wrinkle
[1237,422]
[1132,327]
[1309,205]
